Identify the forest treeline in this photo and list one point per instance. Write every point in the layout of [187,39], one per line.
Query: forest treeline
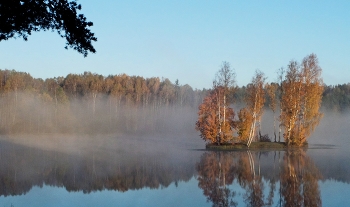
[91,102]
[335,98]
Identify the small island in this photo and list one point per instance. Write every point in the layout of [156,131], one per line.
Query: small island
[295,102]
[253,146]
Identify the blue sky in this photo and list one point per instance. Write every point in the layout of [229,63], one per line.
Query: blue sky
[189,40]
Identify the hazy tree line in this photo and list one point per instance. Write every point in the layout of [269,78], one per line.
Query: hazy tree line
[92,103]
[337,97]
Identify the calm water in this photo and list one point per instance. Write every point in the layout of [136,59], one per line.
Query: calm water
[171,170]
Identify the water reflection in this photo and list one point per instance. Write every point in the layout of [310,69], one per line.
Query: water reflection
[250,178]
[257,174]
[215,171]
[23,167]
[299,177]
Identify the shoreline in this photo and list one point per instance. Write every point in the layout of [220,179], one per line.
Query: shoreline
[254,146]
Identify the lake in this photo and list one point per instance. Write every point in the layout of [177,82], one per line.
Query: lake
[173,170]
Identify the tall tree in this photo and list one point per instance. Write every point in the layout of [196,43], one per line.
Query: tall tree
[209,122]
[225,78]
[19,18]
[301,100]
[291,100]
[71,85]
[255,99]
[223,86]
[94,84]
[185,94]
[167,91]
[312,96]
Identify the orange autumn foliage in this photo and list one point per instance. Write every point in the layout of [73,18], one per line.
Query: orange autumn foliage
[301,100]
[243,125]
[210,118]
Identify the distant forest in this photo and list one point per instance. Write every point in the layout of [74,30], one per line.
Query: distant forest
[335,97]
[91,102]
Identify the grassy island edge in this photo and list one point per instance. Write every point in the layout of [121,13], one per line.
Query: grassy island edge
[254,145]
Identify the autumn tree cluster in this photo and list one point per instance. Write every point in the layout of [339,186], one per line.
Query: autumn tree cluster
[295,102]
[215,121]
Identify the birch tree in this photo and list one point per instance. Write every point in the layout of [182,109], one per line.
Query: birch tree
[225,81]
[301,100]
[312,97]
[291,100]
[255,100]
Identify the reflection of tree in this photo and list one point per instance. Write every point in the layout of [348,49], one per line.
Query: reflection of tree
[254,194]
[299,176]
[250,180]
[215,171]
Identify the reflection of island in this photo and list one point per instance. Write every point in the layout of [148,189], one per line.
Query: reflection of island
[22,167]
[215,171]
[138,163]
[299,180]
[290,180]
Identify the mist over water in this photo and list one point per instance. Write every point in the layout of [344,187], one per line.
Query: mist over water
[86,148]
[334,129]
[107,124]
[30,114]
